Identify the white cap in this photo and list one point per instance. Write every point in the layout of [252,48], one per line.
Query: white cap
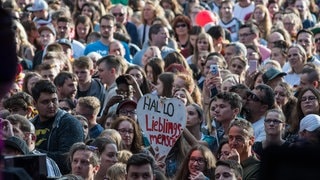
[38,5]
[310,122]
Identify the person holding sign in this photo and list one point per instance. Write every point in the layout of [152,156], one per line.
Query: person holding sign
[193,132]
[199,163]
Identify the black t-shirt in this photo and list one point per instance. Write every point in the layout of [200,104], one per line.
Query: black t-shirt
[43,130]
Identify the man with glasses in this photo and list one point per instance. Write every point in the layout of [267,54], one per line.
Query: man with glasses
[89,107]
[56,130]
[127,108]
[260,100]
[241,139]
[120,12]
[107,28]
[25,130]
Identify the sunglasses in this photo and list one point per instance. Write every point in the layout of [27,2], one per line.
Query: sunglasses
[118,14]
[274,121]
[254,97]
[181,25]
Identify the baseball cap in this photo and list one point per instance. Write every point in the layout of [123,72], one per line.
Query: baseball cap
[65,41]
[310,122]
[315,30]
[38,5]
[272,73]
[17,143]
[125,102]
[47,27]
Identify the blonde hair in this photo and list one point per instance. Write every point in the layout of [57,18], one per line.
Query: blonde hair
[117,171]
[112,134]
[124,155]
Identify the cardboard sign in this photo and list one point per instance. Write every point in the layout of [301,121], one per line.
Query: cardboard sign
[162,120]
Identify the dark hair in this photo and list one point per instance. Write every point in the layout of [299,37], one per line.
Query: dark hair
[306,31]
[82,19]
[299,114]
[101,142]
[20,99]
[65,19]
[231,98]
[69,101]
[140,159]
[112,61]
[167,79]
[268,97]
[155,29]
[217,32]
[157,66]
[94,159]
[237,168]
[144,87]
[222,142]
[313,74]
[43,86]
[107,17]
[137,143]
[60,79]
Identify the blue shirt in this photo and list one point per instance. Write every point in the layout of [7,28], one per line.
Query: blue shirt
[95,131]
[103,49]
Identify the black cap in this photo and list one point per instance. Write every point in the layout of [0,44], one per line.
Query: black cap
[272,73]
[17,143]
[64,41]
[125,102]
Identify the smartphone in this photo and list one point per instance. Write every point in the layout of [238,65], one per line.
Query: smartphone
[253,66]
[214,69]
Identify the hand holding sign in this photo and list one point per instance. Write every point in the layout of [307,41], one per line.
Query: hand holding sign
[162,120]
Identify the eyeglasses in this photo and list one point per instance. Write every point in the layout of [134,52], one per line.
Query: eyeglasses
[125,131]
[254,97]
[309,98]
[274,121]
[200,161]
[65,108]
[181,25]
[245,34]
[92,148]
[118,14]
[127,112]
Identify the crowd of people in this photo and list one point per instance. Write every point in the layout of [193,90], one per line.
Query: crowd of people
[249,79]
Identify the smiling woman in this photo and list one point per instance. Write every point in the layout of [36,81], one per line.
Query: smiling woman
[200,163]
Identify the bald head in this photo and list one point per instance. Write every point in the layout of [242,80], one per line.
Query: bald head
[273,37]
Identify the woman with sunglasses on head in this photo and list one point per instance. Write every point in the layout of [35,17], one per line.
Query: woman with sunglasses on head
[274,126]
[308,103]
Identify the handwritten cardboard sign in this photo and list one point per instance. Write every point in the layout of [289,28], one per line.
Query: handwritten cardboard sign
[162,120]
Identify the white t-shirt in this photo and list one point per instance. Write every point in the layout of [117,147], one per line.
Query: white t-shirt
[240,12]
